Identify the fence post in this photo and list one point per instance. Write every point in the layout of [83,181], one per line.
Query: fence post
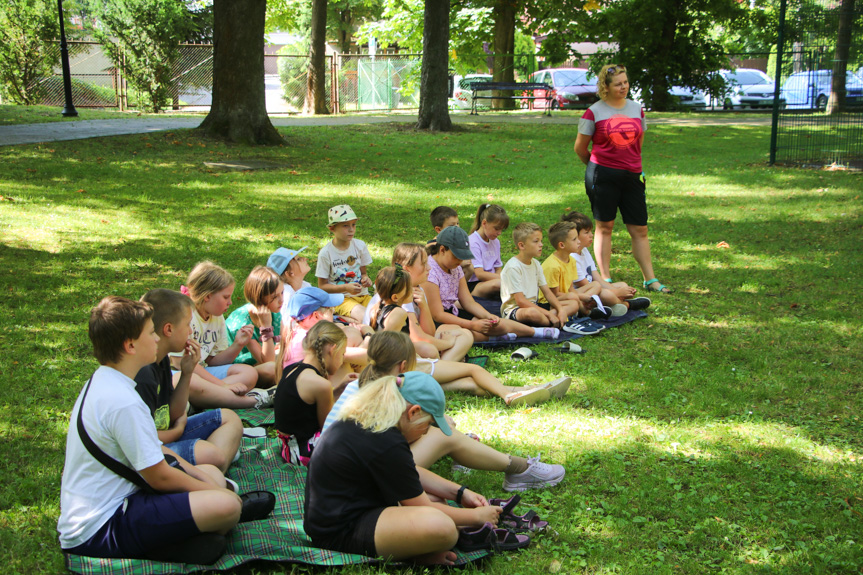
[780,46]
[334,85]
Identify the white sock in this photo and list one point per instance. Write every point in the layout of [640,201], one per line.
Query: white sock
[511,336]
[546,332]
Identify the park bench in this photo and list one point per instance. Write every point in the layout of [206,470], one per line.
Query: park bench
[516,86]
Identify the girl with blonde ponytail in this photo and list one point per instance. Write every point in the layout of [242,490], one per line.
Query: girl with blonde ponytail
[365,495]
[305,395]
[391,353]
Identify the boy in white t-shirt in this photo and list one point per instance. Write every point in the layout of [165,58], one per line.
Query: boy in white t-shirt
[342,264]
[521,281]
[616,294]
[102,514]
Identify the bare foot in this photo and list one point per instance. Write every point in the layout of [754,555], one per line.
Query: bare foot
[439,558]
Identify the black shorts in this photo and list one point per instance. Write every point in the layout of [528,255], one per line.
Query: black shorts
[513,313]
[359,540]
[462,313]
[609,189]
[471,286]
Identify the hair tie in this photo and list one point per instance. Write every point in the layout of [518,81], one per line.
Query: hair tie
[184,290]
[400,379]
[486,206]
[371,361]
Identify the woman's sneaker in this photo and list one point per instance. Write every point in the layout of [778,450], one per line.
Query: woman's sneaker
[536,476]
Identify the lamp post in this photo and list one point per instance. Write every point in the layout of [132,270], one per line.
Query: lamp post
[69,110]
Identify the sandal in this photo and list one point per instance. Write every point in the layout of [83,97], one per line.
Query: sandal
[570,347]
[491,538]
[530,521]
[655,286]
[523,354]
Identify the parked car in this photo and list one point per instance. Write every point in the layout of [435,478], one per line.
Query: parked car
[747,88]
[812,89]
[688,97]
[462,96]
[572,88]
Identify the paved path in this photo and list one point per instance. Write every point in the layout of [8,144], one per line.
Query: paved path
[77,130]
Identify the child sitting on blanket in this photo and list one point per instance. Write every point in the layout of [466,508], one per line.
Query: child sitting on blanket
[560,268]
[102,514]
[210,437]
[588,278]
[450,301]
[491,221]
[264,292]
[522,280]
[309,306]
[217,381]
[391,353]
[305,395]
[444,217]
[341,267]
[364,493]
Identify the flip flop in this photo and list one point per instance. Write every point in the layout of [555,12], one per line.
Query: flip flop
[523,354]
[570,347]
[492,538]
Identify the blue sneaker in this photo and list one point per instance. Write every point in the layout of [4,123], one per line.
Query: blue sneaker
[583,326]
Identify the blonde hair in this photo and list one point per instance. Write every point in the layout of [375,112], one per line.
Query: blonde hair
[261,284]
[377,406]
[606,77]
[321,335]
[205,279]
[387,349]
[523,231]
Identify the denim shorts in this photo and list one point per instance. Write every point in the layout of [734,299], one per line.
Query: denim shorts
[200,426]
[141,525]
[220,371]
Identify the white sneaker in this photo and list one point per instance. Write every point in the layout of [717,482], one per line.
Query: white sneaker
[527,397]
[619,309]
[536,476]
[558,387]
[263,397]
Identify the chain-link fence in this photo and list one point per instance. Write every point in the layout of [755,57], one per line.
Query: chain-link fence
[819,40]
[374,83]
[95,80]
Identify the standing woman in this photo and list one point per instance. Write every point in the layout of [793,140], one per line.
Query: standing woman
[614,178]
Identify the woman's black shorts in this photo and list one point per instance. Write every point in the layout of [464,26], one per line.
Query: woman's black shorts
[610,189]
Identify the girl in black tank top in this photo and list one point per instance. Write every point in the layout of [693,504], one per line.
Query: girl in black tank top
[305,395]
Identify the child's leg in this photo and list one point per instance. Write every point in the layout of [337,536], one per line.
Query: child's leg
[212,437]
[463,341]
[243,374]
[466,451]
[570,308]
[205,394]
[215,511]
[426,350]
[266,374]
[505,326]
[447,371]
[532,316]
[225,439]
[487,289]
[358,313]
[423,533]
[464,385]
[355,338]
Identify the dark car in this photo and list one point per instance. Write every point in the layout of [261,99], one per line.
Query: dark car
[573,88]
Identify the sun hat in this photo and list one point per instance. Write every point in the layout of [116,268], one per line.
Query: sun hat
[280,259]
[455,240]
[421,389]
[340,213]
[309,299]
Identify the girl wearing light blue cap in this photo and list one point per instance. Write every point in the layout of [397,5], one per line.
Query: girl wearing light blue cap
[365,495]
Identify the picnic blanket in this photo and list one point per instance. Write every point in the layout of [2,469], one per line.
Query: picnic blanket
[565,335]
[279,538]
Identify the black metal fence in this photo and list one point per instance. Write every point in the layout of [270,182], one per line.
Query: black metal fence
[811,49]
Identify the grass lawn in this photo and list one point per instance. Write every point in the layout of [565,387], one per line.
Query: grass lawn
[721,434]
[11,114]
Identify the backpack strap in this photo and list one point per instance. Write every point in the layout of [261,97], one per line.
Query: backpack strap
[122,470]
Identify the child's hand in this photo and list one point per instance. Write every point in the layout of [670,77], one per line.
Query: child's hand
[344,383]
[446,342]
[261,316]
[485,513]
[353,288]
[481,325]
[191,356]
[244,335]
[366,281]
[419,295]
[238,388]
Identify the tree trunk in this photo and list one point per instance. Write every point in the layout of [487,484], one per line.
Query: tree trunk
[836,103]
[434,111]
[660,98]
[346,18]
[504,47]
[239,109]
[316,90]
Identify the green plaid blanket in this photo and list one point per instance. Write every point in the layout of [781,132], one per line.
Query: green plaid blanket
[257,417]
[280,537]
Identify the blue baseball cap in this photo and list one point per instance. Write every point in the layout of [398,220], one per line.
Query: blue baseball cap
[421,389]
[280,259]
[309,299]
